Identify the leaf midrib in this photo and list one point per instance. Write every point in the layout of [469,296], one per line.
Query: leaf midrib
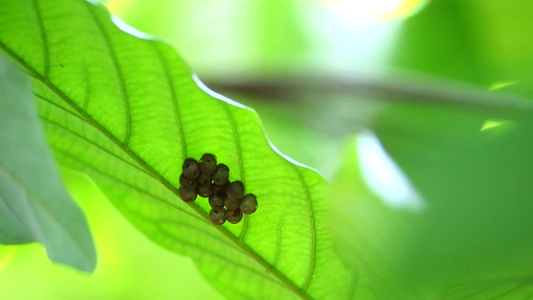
[88,118]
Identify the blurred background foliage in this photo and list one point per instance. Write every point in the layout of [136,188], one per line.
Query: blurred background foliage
[247,49]
[287,60]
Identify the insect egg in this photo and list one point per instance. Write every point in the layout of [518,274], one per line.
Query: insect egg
[187,183]
[190,168]
[217,216]
[216,202]
[248,204]
[204,179]
[208,164]
[235,190]
[234,216]
[221,175]
[187,195]
[231,204]
[204,190]
[219,190]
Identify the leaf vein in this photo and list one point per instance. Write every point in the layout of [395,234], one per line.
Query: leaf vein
[354,284]
[31,205]
[225,259]
[313,229]
[278,243]
[198,229]
[44,39]
[16,216]
[116,66]
[59,106]
[89,166]
[87,91]
[173,99]
[94,144]
[237,141]
[511,291]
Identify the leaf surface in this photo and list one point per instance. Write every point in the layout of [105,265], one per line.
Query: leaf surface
[34,204]
[124,109]
[453,220]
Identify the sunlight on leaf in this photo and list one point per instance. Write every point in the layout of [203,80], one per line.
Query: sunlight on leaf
[490,124]
[6,256]
[383,176]
[127,112]
[501,85]
[382,10]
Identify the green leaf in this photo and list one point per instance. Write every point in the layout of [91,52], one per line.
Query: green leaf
[476,41]
[125,110]
[34,204]
[439,207]
[441,40]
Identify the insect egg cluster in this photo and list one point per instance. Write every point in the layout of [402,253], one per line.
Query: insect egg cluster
[208,179]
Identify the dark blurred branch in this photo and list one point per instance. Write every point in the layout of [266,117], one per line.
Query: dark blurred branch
[390,89]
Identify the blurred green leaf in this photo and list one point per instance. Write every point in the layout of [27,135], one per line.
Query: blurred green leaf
[483,42]
[440,40]
[125,110]
[499,37]
[454,220]
[277,35]
[34,205]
